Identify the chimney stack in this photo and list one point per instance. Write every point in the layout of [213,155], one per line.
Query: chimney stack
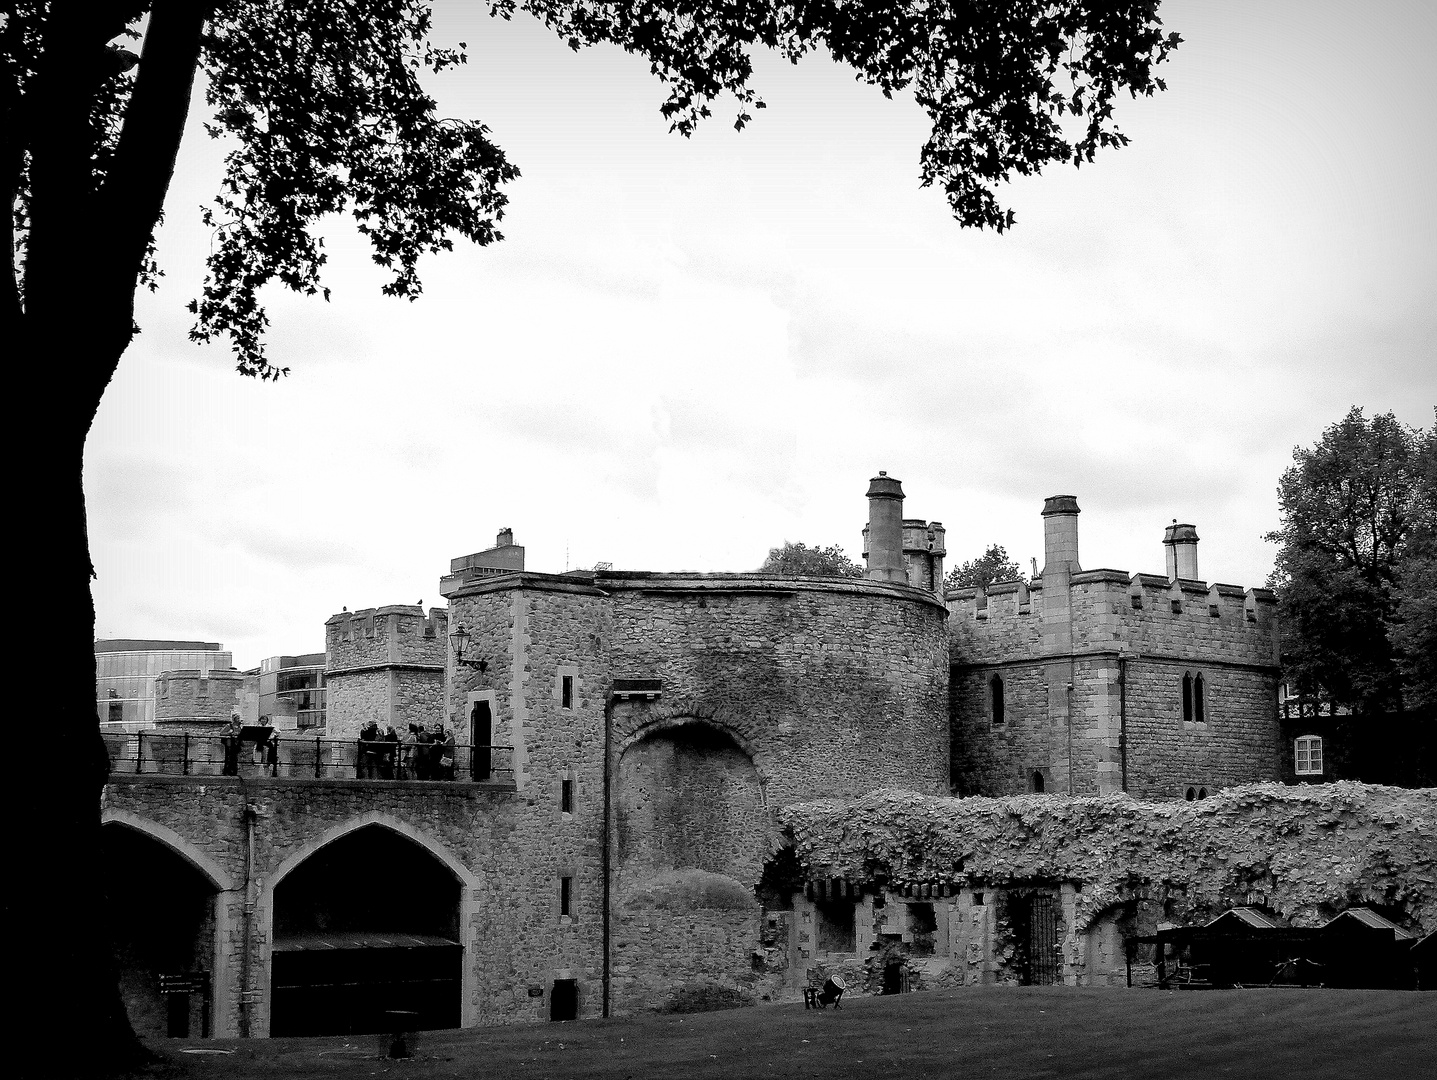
[1060,535]
[1181,542]
[885,530]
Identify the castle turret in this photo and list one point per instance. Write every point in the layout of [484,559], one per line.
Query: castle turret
[1181,542]
[884,536]
[1060,534]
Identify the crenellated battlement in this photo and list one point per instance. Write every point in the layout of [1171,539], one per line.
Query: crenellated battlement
[1139,611]
[1105,680]
[396,634]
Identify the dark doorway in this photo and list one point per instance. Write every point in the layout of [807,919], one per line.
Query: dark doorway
[893,977]
[366,933]
[564,1000]
[481,737]
[1035,925]
[160,911]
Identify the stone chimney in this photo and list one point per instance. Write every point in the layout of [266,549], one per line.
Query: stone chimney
[1060,535]
[1181,542]
[505,538]
[885,530]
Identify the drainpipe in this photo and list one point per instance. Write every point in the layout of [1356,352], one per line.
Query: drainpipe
[621,690]
[1123,719]
[1069,711]
[247,991]
[605,855]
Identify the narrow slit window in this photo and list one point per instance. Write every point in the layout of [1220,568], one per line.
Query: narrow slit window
[566,896]
[1199,706]
[995,689]
[566,692]
[566,795]
[1187,698]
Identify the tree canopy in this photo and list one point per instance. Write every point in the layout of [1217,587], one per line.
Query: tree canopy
[1354,568]
[989,568]
[800,560]
[323,109]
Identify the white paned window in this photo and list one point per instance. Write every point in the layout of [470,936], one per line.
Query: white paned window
[1309,756]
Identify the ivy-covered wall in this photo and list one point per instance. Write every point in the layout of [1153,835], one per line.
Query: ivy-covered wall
[1303,853]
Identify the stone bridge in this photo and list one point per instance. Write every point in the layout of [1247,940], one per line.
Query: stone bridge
[255,881]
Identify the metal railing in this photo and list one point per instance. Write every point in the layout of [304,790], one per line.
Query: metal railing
[302,757]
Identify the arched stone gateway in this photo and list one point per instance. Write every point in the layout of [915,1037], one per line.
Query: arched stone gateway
[368,928]
[167,905]
[693,833]
[690,797]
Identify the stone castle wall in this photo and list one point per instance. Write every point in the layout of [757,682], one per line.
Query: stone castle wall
[1139,630]
[197,701]
[387,665]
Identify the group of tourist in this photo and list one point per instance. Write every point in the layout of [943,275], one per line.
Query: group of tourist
[424,753]
[265,745]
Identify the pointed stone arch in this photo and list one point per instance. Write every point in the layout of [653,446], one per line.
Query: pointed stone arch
[681,712]
[186,849]
[470,887]
[228,912]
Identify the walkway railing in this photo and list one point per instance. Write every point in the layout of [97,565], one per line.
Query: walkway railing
[299,757]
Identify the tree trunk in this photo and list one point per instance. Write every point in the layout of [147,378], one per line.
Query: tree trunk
[71,1018]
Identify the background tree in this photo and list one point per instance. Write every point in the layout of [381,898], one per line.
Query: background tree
[325,112]
[989,568]
[800,560]
[1353,569]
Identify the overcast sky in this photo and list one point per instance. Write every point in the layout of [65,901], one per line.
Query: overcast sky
[687,352]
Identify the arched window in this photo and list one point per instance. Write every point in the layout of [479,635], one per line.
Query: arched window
[995,692]
[1194,698]
[1308,755]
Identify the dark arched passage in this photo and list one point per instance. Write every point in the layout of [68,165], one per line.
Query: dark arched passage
[161,915]
[366,937]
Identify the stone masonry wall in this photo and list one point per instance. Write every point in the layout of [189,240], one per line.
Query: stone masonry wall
[355,699]
[1236,744]
[1157,630]
[531,636]
[395,634]
[833,688]
[189,700]
[515,849]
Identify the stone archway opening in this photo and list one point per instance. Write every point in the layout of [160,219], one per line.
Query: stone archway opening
[689,797]
[161,915]
[366,939]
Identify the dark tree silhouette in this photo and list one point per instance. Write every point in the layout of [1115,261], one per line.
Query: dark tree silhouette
[323,101]
[989,568]
[800,560]
[1357,548]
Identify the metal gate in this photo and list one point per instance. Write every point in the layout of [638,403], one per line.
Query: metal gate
[1043,965]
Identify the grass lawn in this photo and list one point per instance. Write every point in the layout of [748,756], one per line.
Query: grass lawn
[986,1033]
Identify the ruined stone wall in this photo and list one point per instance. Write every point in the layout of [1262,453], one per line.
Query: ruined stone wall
[1305,853]
[689,935]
